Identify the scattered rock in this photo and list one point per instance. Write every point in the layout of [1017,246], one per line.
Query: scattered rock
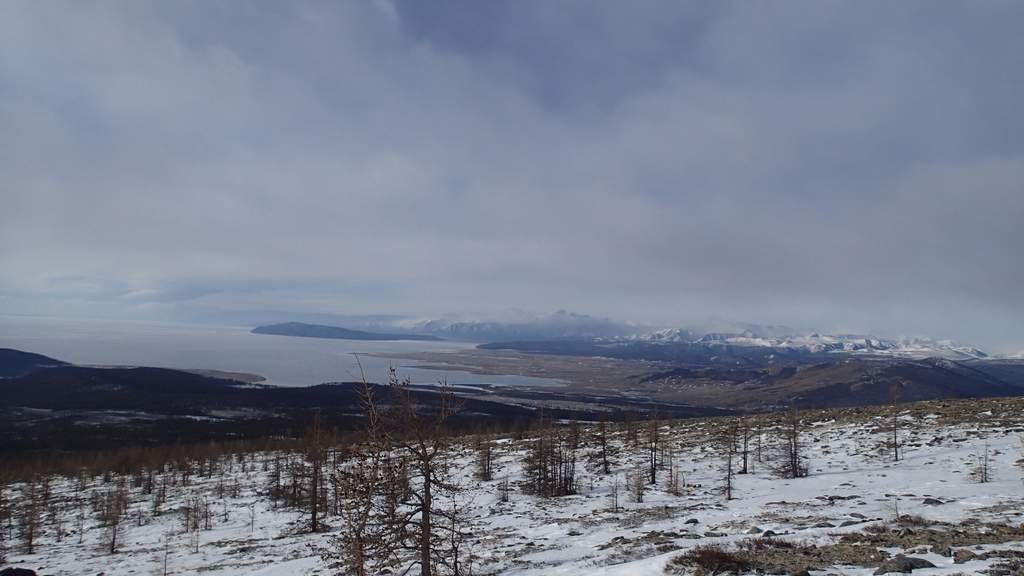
[691,521]
[768,534]
[795,559]
[17,572]
[932,502]
[903,564]
[963,555]
[617,541]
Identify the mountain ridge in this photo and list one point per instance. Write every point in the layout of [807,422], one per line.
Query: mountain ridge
[574,327]
[14,363]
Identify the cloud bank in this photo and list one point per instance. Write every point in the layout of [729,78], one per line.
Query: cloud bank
[842,165]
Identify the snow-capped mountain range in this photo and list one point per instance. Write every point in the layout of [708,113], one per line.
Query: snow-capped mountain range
[818,343]
[570,326]
[580,327]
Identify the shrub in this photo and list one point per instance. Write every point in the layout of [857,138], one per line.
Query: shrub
[763,543]
[915,520]
[878,528]
[711,558]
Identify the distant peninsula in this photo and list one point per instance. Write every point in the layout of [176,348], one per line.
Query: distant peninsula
[317,331]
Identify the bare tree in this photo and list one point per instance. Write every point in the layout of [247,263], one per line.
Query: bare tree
[80,518]
[629,418]
[636,484]
[894,400]
[418,433]
[195,513]
[673,485]
[504,489]
[790,462]
[113,505]
[759,442]
[981,472]
[159,497]
[654,446]
[29,514]
[369,486]
[605,450]
[570,449]
[315,458]
[725,442]
[484,458]
[745,435]
[537,462]
[550,462]
[358,546]
[58,519]
[454,553]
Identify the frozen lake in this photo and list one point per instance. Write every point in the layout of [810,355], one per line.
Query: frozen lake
[282,360]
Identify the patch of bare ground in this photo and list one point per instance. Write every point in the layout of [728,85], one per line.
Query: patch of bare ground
[939,538]
[864,549]
[771,556]
[650,544]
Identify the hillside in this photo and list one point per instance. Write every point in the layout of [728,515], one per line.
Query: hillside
[79,408]
[952,499]
[66,407]
[17,363]
[832,384]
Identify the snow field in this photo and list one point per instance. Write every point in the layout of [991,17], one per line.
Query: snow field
[853,484]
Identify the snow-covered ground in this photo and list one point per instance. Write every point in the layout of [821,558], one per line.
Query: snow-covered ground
[853,486]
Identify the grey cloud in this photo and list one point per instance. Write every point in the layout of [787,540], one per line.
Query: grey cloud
[823,164]
[576,57]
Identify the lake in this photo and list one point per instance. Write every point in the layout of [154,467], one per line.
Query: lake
[282,360]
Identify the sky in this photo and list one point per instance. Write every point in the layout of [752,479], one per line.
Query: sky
[840,166]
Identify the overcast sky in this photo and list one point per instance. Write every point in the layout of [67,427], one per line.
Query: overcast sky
[841,166]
